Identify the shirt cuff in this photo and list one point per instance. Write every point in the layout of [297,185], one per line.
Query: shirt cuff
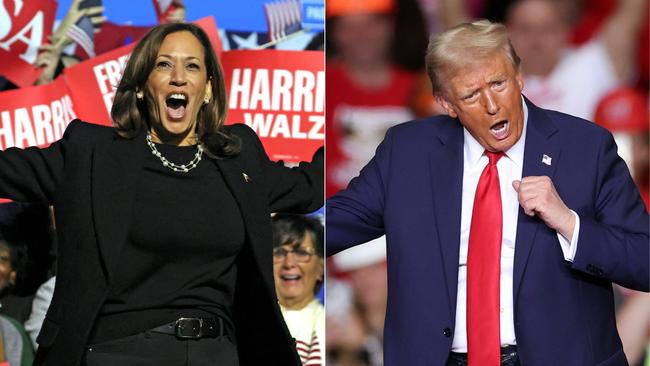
[569,248]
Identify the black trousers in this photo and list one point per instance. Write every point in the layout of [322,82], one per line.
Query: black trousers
[149,348]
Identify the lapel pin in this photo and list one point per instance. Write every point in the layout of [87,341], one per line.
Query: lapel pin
[546,159]
[246,177]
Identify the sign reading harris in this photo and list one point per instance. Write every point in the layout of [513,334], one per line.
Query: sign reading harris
[35,116]
[93,82]
[24,26]
[281,95]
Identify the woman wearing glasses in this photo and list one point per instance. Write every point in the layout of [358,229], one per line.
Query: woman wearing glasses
[298,270]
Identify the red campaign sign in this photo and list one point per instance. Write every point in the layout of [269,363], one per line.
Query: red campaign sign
[209,25]
[35,116]
[93,82]
[281,95]
[24,27]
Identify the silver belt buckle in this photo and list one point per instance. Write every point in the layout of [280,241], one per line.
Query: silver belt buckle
[189,328]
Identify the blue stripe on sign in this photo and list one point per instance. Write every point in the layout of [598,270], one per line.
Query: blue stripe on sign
[313,14]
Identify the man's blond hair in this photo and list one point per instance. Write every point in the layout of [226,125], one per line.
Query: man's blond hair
[464,45]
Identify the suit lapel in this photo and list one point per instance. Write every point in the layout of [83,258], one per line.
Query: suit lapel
[242,185]
[446,166]
[116,167]
[540,142]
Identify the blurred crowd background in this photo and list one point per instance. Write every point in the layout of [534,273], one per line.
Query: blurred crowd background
[588,58]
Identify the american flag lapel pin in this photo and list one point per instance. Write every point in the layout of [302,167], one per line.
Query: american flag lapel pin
[246,177]
[546,159]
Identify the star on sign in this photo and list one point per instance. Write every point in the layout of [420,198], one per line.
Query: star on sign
[248,43]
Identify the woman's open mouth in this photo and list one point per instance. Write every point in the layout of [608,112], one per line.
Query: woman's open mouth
[292,279]
[175,104]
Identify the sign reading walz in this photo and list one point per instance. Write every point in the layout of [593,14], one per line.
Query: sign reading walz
[280,95]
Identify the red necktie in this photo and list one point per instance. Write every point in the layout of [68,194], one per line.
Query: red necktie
[484,268]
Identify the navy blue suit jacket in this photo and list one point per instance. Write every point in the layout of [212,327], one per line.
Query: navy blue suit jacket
[563,312]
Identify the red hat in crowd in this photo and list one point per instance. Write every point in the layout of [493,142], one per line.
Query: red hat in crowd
[623,110]
[335,8]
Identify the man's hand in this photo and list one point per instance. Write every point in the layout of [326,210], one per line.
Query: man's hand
[537,196]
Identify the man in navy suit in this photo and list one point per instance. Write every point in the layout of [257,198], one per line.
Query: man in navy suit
[543,190]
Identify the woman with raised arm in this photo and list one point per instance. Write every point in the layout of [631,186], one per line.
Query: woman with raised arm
[165,242]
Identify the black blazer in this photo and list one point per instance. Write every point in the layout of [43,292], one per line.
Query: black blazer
[90,178]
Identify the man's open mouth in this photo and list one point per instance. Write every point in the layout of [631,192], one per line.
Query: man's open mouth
[500,130]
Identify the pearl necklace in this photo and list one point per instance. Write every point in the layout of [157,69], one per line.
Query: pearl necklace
[175,167]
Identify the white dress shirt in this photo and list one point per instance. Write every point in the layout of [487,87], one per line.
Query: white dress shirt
[510,168]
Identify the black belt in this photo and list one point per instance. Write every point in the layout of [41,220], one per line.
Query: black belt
[194,328]
[507,352]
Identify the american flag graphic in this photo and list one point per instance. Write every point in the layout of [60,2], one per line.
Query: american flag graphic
[82,33]
[165,7]
[283,17]
[310,353]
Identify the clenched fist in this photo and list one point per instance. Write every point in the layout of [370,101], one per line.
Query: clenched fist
[537,196]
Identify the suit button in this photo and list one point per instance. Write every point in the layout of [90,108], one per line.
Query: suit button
[447,332]
[594,270]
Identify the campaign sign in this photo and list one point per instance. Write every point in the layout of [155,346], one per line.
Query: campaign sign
[313,14]
[35,116]
[280,95]
[93,82]
[24,27]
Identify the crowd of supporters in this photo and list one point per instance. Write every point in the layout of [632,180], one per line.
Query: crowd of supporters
[585,58]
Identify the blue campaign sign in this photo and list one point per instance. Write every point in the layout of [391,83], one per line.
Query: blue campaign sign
[313,13]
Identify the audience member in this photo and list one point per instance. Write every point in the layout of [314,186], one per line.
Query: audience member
[298,269]
[361,279]
[12,260]
[624,111]
[369,82]
[17,349]
[41,303]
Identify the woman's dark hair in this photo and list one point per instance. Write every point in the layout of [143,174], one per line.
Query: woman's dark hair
[25,229]
[290,229]
[131,117]
[19,260]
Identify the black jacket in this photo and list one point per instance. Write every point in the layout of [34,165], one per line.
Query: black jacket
[90,178]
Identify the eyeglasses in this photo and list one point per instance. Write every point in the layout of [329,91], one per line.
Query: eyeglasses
[299,254]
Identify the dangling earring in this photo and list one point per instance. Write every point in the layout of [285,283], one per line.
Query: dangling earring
[206,101]
[139,94]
